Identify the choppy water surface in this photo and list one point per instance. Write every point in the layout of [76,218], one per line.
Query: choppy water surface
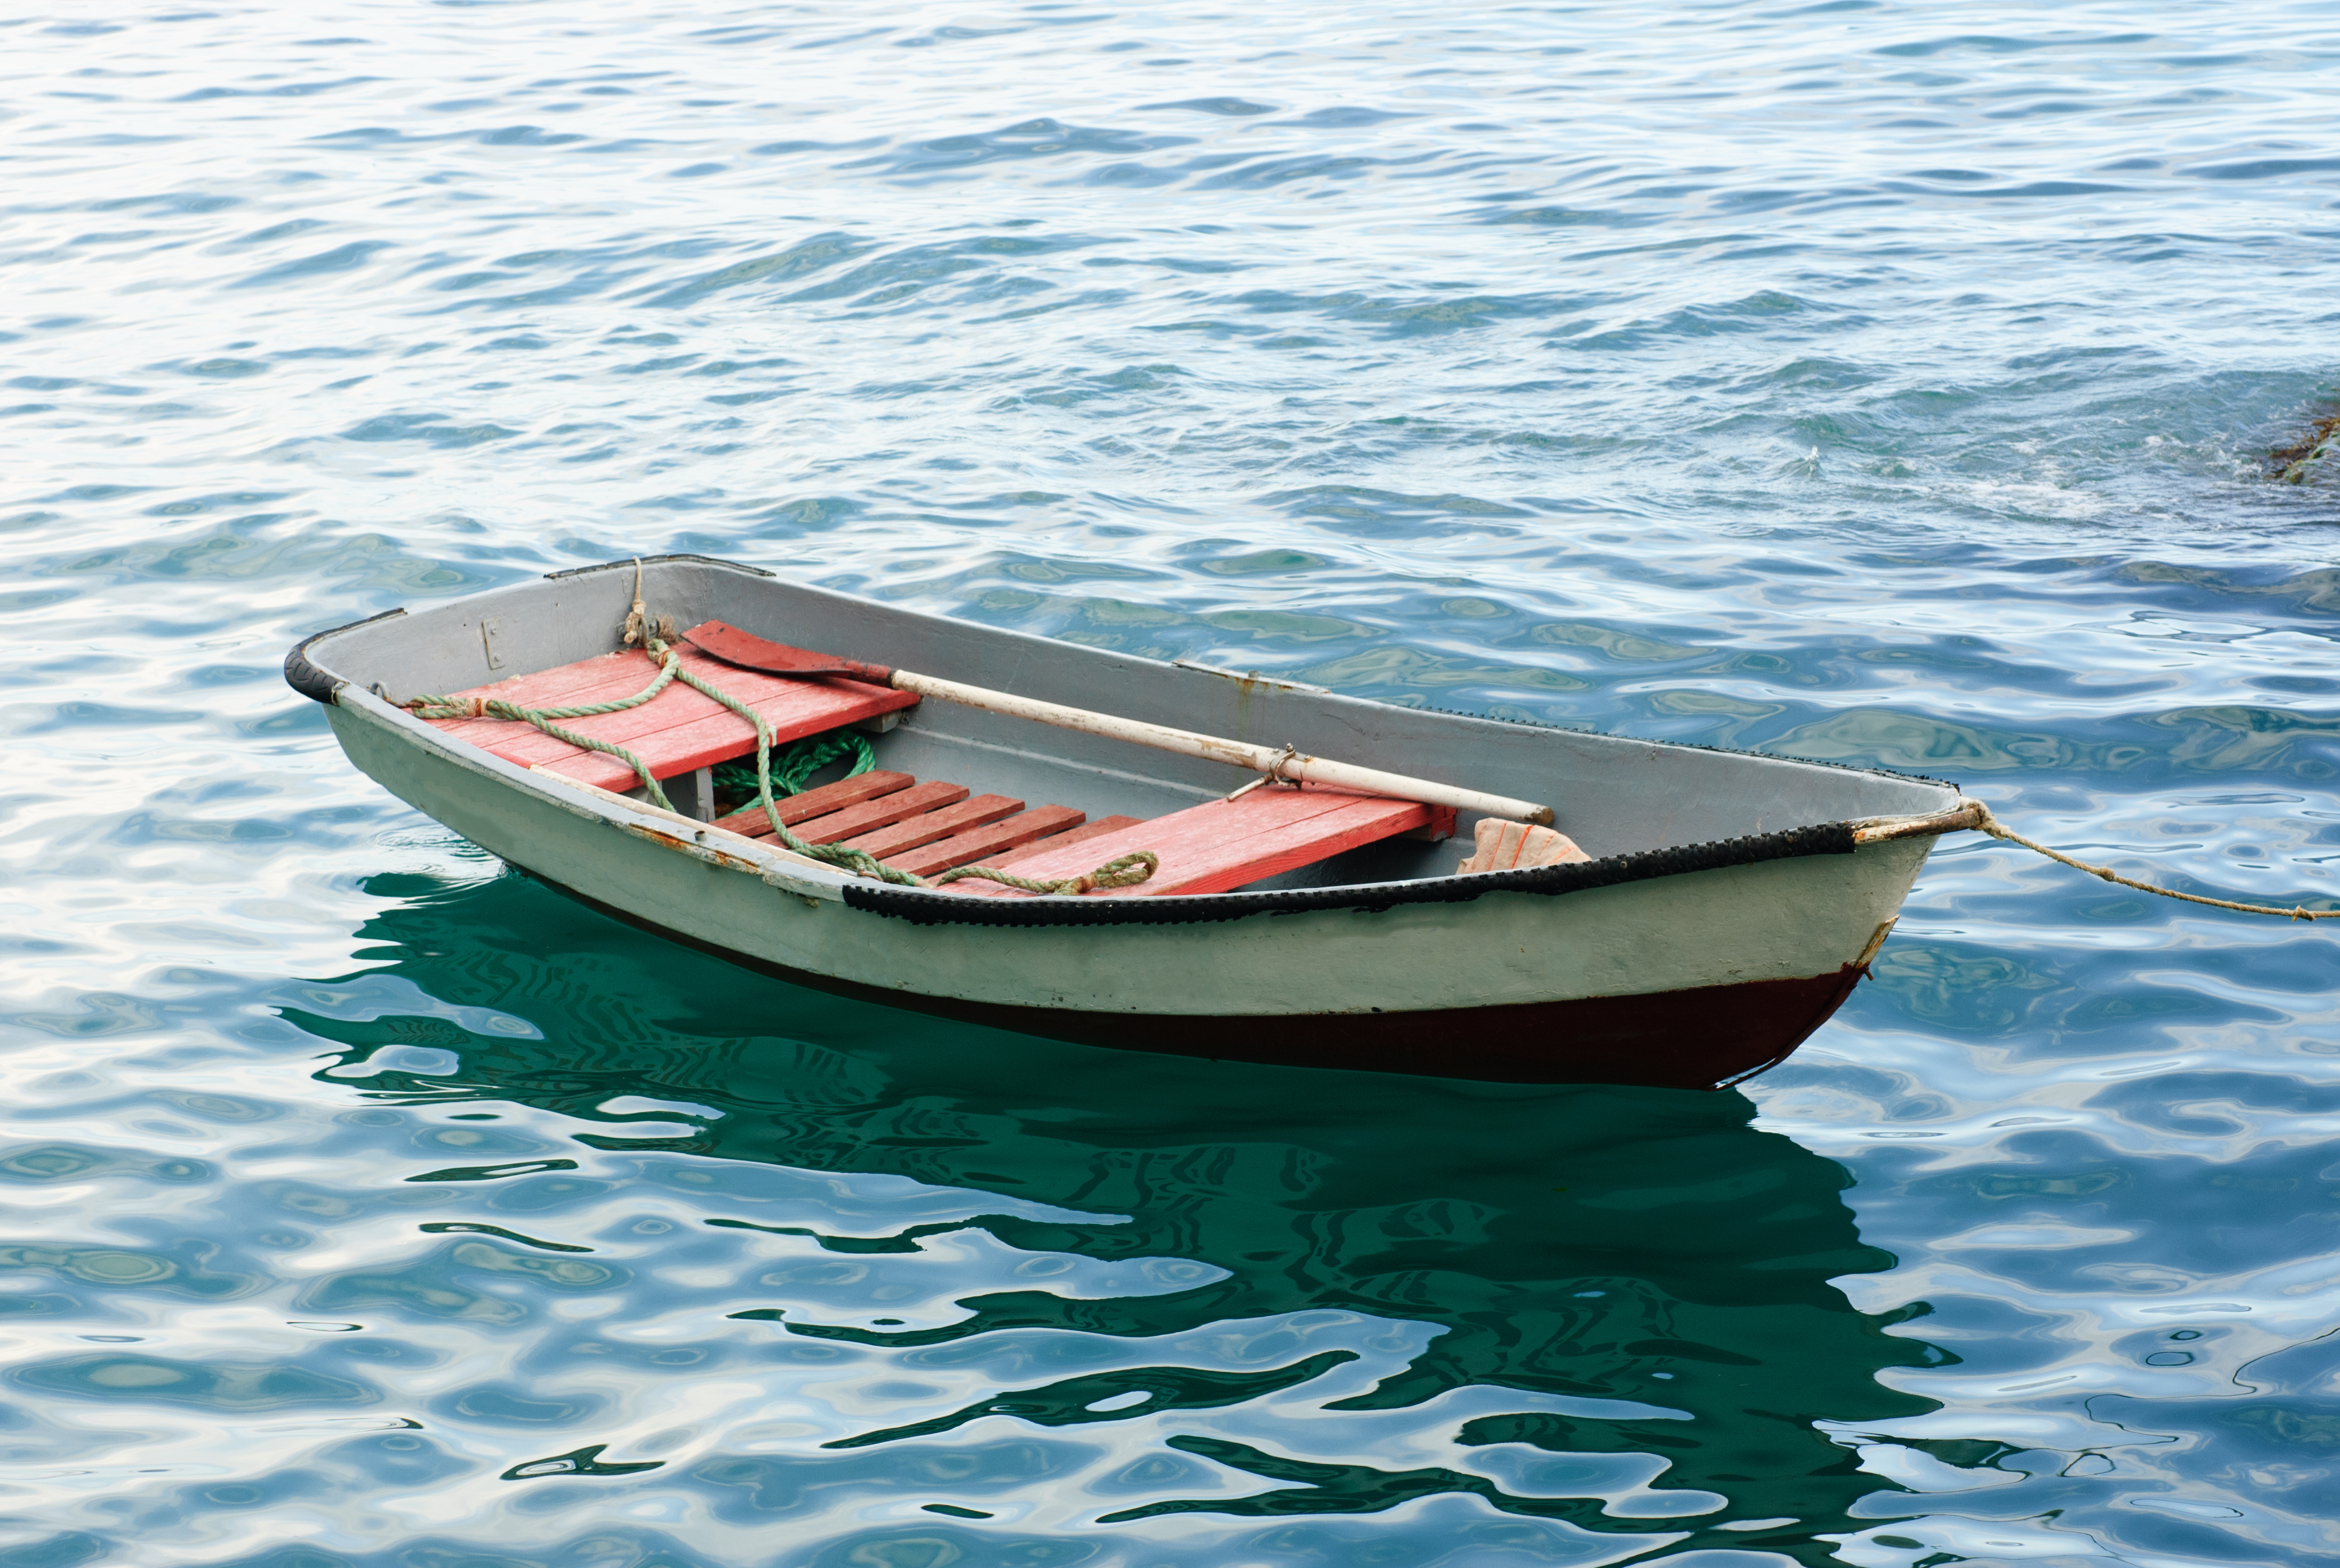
[1875,382]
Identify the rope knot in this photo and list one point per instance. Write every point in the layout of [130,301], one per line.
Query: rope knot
[636,619]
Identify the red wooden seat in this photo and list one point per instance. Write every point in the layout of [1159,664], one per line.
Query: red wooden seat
[675,732]
[1222,845]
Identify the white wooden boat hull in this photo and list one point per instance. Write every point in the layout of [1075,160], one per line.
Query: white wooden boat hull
[1683,966]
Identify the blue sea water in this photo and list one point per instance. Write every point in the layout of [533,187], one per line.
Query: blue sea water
[1875,382]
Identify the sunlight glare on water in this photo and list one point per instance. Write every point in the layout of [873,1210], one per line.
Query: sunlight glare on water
[1874,383]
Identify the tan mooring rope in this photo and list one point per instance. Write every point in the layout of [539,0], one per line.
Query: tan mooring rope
[1991,825]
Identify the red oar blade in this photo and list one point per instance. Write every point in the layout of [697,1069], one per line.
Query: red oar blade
[749,652]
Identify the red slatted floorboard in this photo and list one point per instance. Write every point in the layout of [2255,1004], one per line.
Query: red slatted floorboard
[905,836]
[855,822]
[827,799]
[979,843]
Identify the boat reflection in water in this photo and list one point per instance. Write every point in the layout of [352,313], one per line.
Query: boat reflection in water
[916,1292]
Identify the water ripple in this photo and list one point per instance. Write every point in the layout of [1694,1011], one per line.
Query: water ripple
[1848,379]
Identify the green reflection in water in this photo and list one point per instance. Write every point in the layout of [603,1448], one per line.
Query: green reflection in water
[1605,1242]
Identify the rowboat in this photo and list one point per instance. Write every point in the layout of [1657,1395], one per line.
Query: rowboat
[1303,904]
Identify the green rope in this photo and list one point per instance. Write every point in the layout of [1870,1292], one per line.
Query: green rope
[793,769]
[430,706]
[859,861]
[1123,872]
[1120,873]
[799,763]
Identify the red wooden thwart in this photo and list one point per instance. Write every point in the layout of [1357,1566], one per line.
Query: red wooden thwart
[1223,845]
[675,732]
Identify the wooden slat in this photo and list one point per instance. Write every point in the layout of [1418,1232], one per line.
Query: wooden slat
[683,730]
[867,817]
[934,825]
[1222,845]
[678,731]
[1096,830]
[968,847]
[587,681]
[812,803]
[604,679]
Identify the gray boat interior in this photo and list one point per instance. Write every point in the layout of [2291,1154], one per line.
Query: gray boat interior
[1612,796]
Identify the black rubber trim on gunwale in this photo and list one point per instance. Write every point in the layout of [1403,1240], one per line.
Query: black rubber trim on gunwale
[923,908]
[312,682]
[653,560]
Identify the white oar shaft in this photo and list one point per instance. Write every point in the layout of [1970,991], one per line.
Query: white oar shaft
[1234,753]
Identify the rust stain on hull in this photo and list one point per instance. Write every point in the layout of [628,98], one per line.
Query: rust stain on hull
[676,842]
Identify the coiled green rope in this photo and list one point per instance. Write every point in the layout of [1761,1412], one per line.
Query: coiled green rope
[799,763]
[793,769]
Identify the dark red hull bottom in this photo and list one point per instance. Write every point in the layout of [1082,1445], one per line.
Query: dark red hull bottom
[1696,1040]
[1706,1037]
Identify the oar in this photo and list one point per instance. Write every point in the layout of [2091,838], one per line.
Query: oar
[748,651]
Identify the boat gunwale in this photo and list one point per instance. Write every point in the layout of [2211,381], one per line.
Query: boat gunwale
[320,684]
[1261,677]
[317,683]
[788,873]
